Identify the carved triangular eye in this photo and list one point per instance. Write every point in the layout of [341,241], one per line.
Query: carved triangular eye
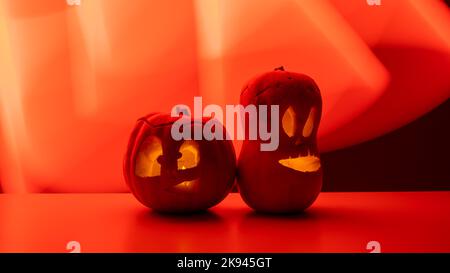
[288,121]
[147,164]
[309,124]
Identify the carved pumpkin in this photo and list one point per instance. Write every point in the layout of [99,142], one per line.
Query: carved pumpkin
[289,178]
[177,176]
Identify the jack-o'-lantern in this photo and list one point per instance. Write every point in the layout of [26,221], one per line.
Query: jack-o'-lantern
[289,178]
[170,175]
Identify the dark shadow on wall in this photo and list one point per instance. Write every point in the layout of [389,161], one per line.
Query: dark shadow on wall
[412,158]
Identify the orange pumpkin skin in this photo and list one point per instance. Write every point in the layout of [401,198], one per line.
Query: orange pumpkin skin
[265,183]
[210,180]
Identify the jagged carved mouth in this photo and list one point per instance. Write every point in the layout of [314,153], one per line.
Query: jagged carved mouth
[306,164]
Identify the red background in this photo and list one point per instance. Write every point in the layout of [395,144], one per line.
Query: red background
[74,78]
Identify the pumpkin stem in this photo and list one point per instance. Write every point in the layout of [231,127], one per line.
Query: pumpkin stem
[281,68]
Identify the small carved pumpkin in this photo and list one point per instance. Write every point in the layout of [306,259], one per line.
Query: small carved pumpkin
[177,176]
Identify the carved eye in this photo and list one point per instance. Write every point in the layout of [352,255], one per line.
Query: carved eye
[288,122]
[309,124]
[190,155]
[147,164]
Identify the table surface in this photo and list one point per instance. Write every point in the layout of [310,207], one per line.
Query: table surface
[337,222]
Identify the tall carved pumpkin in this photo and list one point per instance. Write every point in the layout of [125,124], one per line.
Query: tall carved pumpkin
[177,176]
[289,178]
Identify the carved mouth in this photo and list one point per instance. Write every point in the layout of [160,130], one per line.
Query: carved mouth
[306,164]
[185,186]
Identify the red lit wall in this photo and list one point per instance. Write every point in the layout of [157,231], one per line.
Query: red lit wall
[73,79]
